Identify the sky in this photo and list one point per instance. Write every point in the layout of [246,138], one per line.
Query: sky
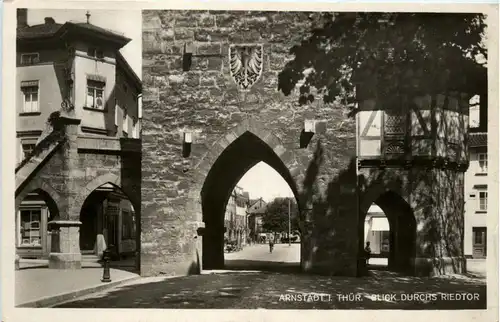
[263,181]
[125,22]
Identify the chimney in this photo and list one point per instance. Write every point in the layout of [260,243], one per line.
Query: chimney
[22,18]
[49,21]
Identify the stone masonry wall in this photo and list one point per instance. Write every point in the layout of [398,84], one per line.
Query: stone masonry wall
[435,197]
[205,101]
[69,176]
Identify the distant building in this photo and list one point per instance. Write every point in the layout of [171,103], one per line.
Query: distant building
[75,65]
[235,216]
[476,183]
[256,210]
[476,202]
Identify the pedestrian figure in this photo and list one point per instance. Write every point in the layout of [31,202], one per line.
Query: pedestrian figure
[271,245]
[367,253]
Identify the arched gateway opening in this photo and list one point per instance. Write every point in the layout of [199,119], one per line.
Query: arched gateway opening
[241,155]
[108,222]
[395,240]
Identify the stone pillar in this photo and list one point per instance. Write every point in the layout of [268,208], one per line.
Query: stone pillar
[307,226]
[65,252]
[65,246]
[440,227]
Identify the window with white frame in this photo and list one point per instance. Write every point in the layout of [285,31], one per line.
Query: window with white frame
[483,162]
[95,94]
[30,58]
[483,200]
[30,92]
[29,234]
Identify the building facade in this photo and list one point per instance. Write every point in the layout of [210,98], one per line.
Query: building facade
[476,199]
[476,183]
[256,210]
[236,216]
[76,70]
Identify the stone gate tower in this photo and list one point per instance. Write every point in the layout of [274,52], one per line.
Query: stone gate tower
[412,158]
[212,110]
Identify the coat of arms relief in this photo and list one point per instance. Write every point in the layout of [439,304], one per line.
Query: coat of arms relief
[245,64]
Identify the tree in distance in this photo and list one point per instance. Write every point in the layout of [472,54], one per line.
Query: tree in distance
[275,218]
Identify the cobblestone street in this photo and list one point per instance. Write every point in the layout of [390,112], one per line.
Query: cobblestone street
[283,289]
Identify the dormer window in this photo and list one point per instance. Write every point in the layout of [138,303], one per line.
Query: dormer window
[95,53]
[30,58]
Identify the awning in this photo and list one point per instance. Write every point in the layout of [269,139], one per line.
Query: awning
[380,224]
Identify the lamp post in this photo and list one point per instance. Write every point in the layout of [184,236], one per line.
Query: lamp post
[289,224]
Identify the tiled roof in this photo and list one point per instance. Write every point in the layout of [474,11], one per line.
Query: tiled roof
[259,210]
[121,61]
[37,31]
[52,29]
[478,139]
[97,29]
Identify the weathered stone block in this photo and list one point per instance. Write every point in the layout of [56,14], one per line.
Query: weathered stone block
[206,20]
[208,49]
[185,21]
[167,34]
[184,34]
[65,261]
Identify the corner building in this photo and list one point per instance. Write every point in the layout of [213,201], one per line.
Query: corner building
[78,136]
[206,123]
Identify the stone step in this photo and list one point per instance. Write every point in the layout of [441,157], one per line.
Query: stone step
[90,258]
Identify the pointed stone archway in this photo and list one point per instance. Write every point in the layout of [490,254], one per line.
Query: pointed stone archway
[219,171]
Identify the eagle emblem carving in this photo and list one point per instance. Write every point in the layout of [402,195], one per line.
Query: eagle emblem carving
[245,64]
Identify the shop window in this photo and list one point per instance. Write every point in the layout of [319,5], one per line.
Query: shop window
[30,228]
[128,224]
